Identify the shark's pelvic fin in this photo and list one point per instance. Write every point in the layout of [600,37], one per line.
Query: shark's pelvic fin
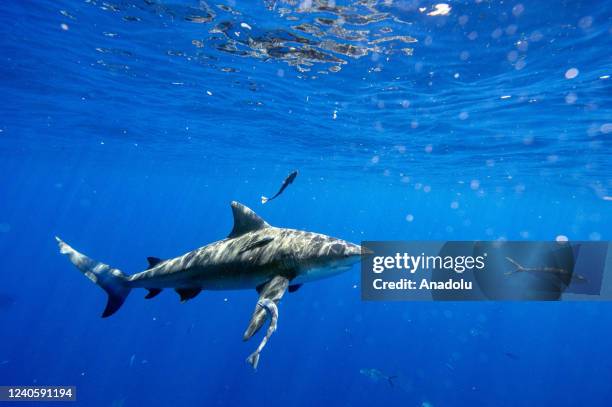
[272,290]
[152,293]
[153,261]
[187,293]
[111,280]
[245,220]
[293,288]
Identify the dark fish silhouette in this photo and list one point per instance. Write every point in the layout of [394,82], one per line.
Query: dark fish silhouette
[376,375]
[6,301]
[512,356]
[286,183]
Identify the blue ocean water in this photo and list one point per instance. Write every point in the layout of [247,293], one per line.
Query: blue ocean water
[127,128]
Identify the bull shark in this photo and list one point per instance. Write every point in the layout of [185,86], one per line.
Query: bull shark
[255,255]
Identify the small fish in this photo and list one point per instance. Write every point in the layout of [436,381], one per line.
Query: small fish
[6,301]
[285,184]
[376,375]
[512,356]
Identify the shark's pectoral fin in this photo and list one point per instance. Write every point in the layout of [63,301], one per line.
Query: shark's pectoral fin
[152,293]
[187,293]
[272,290]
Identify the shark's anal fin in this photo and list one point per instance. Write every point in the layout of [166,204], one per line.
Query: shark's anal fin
[152,293]
[272,290]
[153,261]
[187,293]
[293,288]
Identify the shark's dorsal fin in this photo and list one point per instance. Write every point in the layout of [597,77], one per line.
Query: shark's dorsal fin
[245,220]
[153,261]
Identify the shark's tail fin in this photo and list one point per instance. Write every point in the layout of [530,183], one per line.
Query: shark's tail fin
[264,199]
[519,268]
[113,281]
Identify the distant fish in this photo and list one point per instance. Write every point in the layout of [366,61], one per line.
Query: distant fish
[553,270]
[6,301]
[512,356]
[376,375]
[285,184]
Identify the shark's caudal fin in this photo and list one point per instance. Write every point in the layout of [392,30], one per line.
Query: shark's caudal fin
[113,281]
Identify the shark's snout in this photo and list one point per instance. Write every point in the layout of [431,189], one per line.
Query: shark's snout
[352,250]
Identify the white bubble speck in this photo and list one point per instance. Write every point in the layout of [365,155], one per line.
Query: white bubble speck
[571,73]
[518,10]
[440,9]
[375,159]
[561,238]
[474,184]
[245,25]
[209,93]
[428,148]
[409,217]
[571,98]
[505,97]
[454,205]
[463,115]
[585,22]
[64,26]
